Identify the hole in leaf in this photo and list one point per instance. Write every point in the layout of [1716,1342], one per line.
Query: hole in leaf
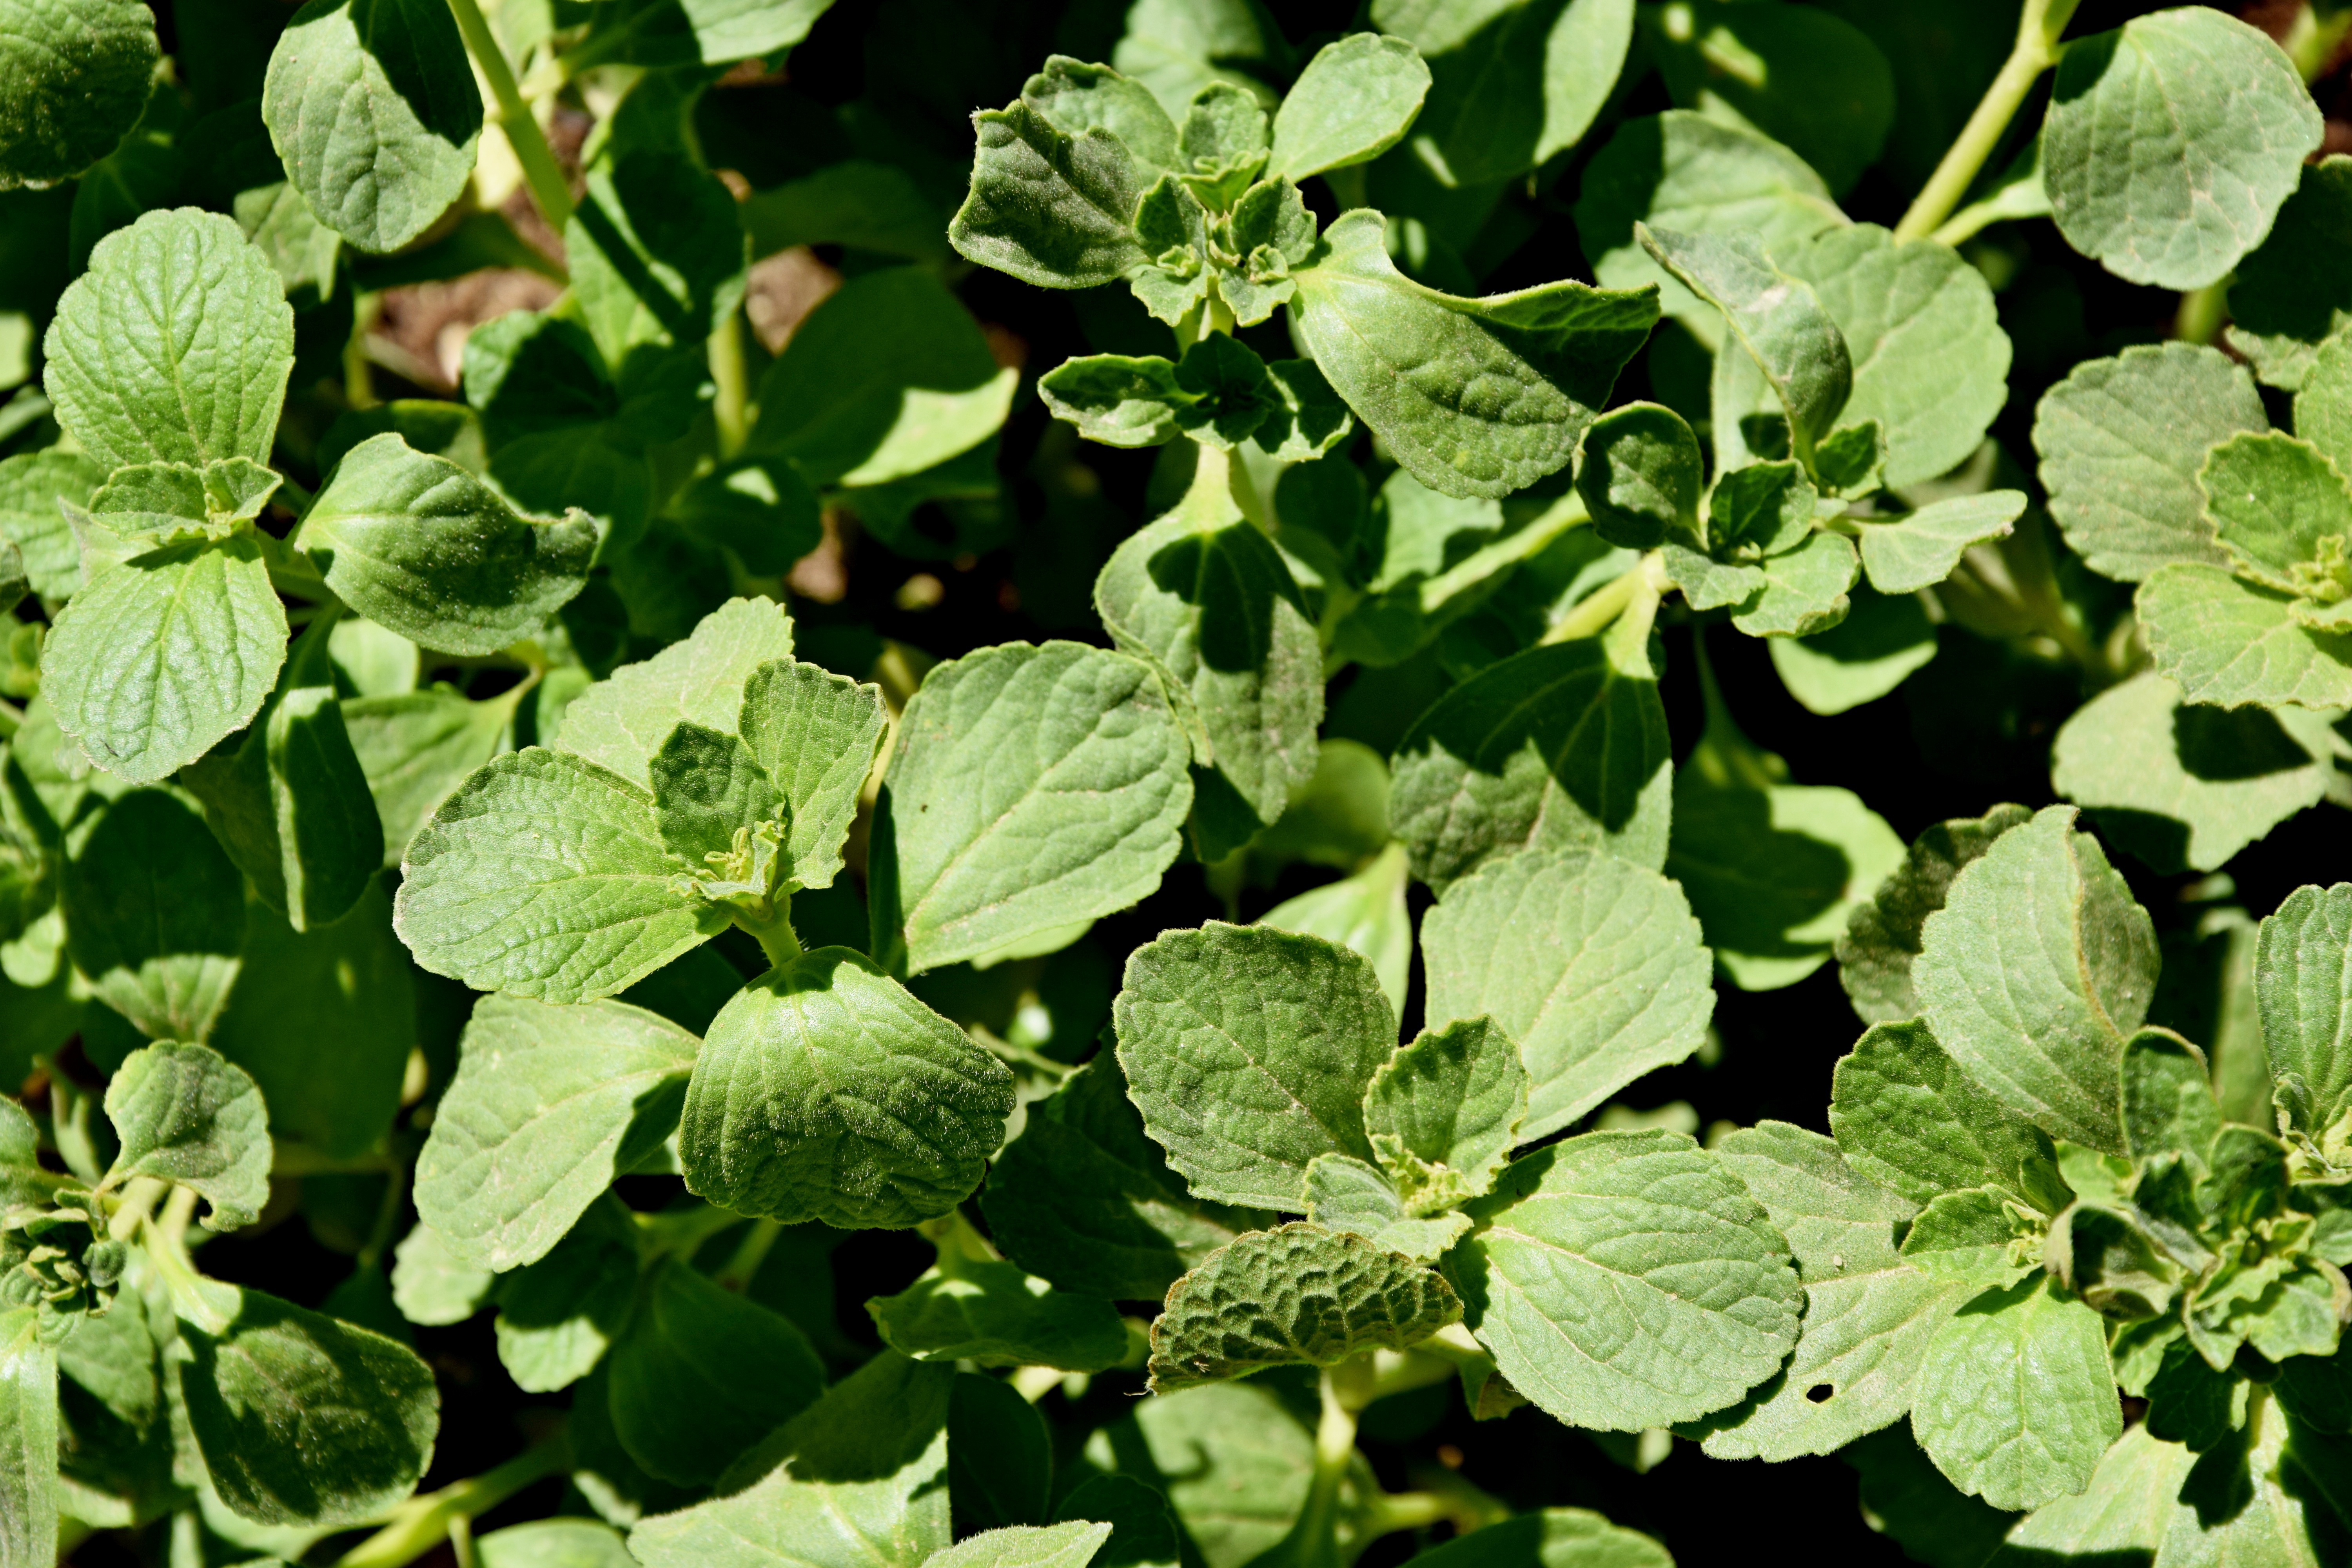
[1820,1392]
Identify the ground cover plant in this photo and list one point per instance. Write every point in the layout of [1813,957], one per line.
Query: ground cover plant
[1481,782]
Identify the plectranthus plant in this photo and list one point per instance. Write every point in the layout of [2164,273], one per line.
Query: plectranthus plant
[995,783]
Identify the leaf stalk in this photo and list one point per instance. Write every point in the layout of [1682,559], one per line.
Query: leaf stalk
[423,1523]
[539,170]
[2036,50]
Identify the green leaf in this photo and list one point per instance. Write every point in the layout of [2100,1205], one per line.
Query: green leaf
[856,1480]
[2182,785]
[1909,1119]
[29,1442]
[549,1105]
[2284,302]
[154,913]
[372,105]
[1444,1111]
[2272,498]
[1085,1199]
[1366,911]
[1882,937]
[1354,102]
[77,75]
[2323,409]
[1813,81]
[1514,83]
[31,485]
[2016,1402]
[418,544]
[826,1091]
[2303,978]
[544,876]
[301,1419]
[701,1374]
[702,32]
[557,1317]
[2121,440]
[1803,591]
[1000,1456]
[1069,1545]
[1300,1293]
[815,734]
[165,654]
[1594,964]
[620,722]
[431,1285]
[1639,476]
[1625,1281]
[1920,550]
[1077,810]
[2219,121]
[186,1115]
[1548,1538]
[1117,399]
[1407,359]
[1876,647]
[553,1544]
[414,749]
[1232,1460]
[1204,596]
[1248,1050]
[1838,1221]
[1557,748]
[658,257]
[1344,1194]
[1778,318]
[2033,972]
[1143,1531]
[2227,641]
[1049,208]
[292,807]
[995,1314]
[1682,171]
[1077,97]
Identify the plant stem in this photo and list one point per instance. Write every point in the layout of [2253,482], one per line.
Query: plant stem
[539,170]
[423,1523]
[774,934]
[2202,311]
[1526,544]
[731,382]
[750,1252]
[1596,613]
[138,1196]
[2036,50]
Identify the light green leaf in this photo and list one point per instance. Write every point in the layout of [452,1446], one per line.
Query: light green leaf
[1909,1119]
[76,74]
[1811,80]
[2016,1402]
[1876,647]
[815,734]
[1882,937]
[2033,972]
[420,545]
[2219,121]
[301,1419]
[1444,1111]
[824,1091]
[658,257]
[1354,102]
[1069,1545]
[1639,476]
[1075,815]
[372,107]
[1049,208]
[2284,301]
[1367,913]
[31,485]
[701,1374]
[1778,318]
[28,1443]
[416,748]
[856,1480]
[165,654]
[1342,1193]
[1515,82]
[1300,1293]
[2223,641]
[1204,596]
[1117,399]
[543,875]
[2121,441]
[1248,1050]
[557,1317]
[1682,171]
[620,722]
[1838,1221]
[995,1314]
[432,1285]
[1232,1460]
[186,1115]
[2323,408]
[1473,397]
[154,913]
[1803,591]
[2180,785]
[701,32]
[1555,748]
[550,1104]
[2272,498]
[1594,964]
[1625,1281]
[1077,97]
[1920,550]
[553,1544]
[1548,1538]
[1084,1198]
[2302,980]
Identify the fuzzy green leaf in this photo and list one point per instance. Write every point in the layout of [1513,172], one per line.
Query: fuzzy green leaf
[1354,102]
[1594,965]
[1443,1112]
[1548,1538]
[1640,475]
[1876,647]
[1077,97]
[659,255]
[1300,1293]
[1069,1545]
[31,485]
[621,721]
[2302,980]
[1626,1279]
[1034,788]
[2227,641]
[2271,499]
[1366,911]
[994,1314]
[815,734]
[559,1316]
[291,805]
[1514,83]
[188,1116]
[1049,208]
[1803,591]
[1343,1193]
[2219,123]
[1248,1051]
[824,1091]
[701,1374]
[416,748]
[1232,1460]
[2033,972]
[1920,550]
[550,1104]
[1909,1119]
[77,74]
[2284,301]
[1476,397]
[1778,318]
[1882,937]
[154,913]
[2016,1402]
[29,1442]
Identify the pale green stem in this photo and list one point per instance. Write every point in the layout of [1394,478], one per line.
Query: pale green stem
[1315,1538]
[461,1542]
[2202,311]
[2312,41]
[178,1210]
[679,1232]
[138,1198]
[423,1523]
[1601,609]
[539,170]
[730,380]
[774,934]
[750,1252]
[1525,545]
[2036,50]
[359,378]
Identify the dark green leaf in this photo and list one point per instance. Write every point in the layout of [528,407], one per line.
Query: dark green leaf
[701,1374]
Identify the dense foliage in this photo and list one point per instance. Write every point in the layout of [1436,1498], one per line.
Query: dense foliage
[1019,836]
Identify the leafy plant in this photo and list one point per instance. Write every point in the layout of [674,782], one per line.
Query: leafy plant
[864,964]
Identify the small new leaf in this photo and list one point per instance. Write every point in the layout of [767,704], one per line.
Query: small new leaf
[188,1116]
